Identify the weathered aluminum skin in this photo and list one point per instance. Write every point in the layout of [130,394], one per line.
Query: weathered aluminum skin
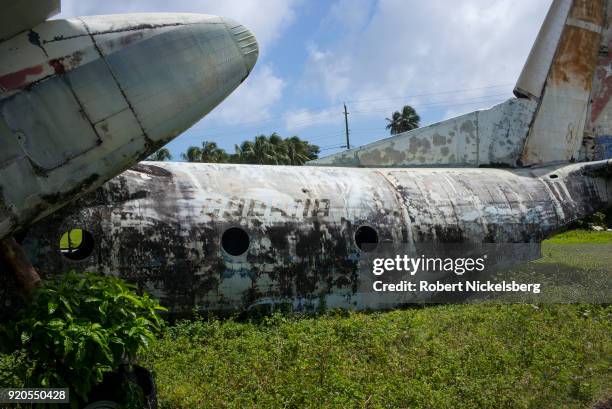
[482,138]
[567,73]
[83,99]
[160,225]
[558,128]
[597,143]
[535,71]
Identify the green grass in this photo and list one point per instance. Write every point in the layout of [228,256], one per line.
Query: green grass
[581,236]
[466,356]
[453,356]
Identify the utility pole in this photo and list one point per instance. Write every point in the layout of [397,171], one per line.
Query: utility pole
[348,144]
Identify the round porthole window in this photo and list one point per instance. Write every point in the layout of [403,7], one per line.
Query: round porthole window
[366,238]
[76,244]
[235,241]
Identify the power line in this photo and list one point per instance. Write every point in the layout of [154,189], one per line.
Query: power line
[435,103]
[331,147]
[327,136]
[320,108]
[430,93]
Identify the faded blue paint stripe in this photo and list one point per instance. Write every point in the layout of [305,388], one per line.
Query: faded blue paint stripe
[603,147]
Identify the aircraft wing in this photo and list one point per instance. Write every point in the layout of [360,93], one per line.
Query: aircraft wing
[19,15]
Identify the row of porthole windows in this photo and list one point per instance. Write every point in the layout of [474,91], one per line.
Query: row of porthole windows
[78,244]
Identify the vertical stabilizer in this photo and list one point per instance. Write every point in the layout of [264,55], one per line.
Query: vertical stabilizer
[533,77]
[562,84]
[598,130]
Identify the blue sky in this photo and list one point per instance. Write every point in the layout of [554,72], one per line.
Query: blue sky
[443,57]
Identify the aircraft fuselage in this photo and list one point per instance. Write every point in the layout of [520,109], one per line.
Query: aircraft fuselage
[83,99]
[230,237]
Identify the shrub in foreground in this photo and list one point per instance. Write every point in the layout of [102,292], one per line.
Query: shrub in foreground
[77,328]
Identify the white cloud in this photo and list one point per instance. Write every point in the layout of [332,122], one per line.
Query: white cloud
[407,48]
[303,118]
[349,14]
[329,70]
[252,101]
[266,19]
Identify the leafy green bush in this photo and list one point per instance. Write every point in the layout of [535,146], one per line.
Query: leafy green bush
[78,327]
[602,218]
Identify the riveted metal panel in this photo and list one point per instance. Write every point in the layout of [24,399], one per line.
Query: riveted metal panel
[71,115]
[160,225]
[489,137]
[557,132]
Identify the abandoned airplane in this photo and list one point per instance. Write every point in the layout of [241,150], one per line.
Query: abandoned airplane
[228,238]
[83,99]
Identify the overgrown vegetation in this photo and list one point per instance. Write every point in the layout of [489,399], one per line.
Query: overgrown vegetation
[453,356]
[465,356]
[263,150]
[602,218]
[582,236]
[77,328]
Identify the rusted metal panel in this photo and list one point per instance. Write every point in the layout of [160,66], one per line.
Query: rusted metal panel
[598,128]
[160,225]
[535,71]
[546,124]
[483,138]
[557,131]
[109,91]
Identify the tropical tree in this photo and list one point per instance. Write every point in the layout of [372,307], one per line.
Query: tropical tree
[242,152]
[211,153]
[193,154]
[405,121]
[263,150]
[279,149]
[161,155]
[299,151]
[260,151]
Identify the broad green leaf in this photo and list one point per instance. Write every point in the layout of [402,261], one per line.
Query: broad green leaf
[51,307]
[25,337]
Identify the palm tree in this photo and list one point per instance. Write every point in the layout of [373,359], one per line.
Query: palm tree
[279,149]
[274,150]
[243,153]
[193,154]
[405,121]
[211,153]
[262,151]
[160,155]
[299,151]
[312,151]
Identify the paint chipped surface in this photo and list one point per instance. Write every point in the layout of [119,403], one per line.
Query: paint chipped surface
[483,138]
[590,11]
[535,71]
[160,225]
[596,144]
[558,129]
[100,94]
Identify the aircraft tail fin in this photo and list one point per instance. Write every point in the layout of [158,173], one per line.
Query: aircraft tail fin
[598,130]
[567,67]
[562,111]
